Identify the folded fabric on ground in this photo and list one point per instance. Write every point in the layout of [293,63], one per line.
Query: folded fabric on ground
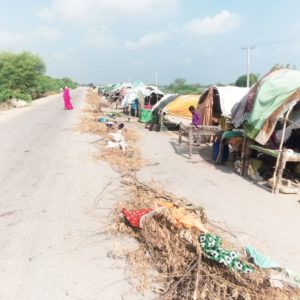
[134,217]
[211,246]
[187,221]
[264,262]
[260,260]
[118,141]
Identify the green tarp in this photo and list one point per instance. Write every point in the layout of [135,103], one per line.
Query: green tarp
[145,116]
[271,94]
[137,84]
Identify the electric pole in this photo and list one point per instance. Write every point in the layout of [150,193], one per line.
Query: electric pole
[248,48]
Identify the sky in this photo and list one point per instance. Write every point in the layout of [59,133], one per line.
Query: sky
[108,41]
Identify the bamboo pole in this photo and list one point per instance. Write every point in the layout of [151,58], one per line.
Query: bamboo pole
[243,155]
[279,156]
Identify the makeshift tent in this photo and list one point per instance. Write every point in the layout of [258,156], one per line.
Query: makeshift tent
[141,92]
[218,101]
[275,96]
[177,111]
[156,109]
[137,83]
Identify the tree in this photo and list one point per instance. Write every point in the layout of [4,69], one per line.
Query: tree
[69,82]
[19,73]
[181,87]
[242,80]
[22,76]
[179,82]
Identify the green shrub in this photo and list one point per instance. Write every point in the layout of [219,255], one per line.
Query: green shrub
[22,76]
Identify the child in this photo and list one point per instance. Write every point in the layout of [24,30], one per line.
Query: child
[196,119]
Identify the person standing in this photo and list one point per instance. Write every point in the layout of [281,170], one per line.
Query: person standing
[67,99]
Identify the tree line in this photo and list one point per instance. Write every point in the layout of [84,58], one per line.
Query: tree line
[23,76]
[182,87]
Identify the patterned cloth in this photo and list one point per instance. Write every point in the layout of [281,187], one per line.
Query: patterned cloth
[211,246]
[134,217]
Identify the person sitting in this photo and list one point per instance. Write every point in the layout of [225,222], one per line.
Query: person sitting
[196,119]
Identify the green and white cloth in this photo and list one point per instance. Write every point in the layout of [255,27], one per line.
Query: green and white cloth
[211,246]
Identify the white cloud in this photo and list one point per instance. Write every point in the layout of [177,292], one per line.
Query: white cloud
[46,14]
[11,40]
[149,40]
[47,33]
[221,23]
[98,11]
[100,38]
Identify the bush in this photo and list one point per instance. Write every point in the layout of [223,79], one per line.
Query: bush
[180,86]
[22,76]
[242,80]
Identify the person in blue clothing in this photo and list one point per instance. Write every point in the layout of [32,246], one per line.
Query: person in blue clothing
[134,108]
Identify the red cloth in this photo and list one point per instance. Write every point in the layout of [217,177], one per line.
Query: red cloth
[134,216]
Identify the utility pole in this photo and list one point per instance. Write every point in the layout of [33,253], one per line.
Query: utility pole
[156,78]
[248,48]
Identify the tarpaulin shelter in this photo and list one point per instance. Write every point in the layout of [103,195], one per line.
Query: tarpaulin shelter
[218,101]
[273,97]
[141,92]
[138,83]
[162,103]
[177,111]
[268,100]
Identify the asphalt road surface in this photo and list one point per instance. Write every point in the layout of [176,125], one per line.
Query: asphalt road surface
[51,245]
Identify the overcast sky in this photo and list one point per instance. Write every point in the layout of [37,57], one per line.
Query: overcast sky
[105,41]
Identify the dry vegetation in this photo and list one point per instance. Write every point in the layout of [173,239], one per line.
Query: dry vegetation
[169,261]
[131,160]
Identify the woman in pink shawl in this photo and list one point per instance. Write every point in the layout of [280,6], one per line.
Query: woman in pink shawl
[67,99]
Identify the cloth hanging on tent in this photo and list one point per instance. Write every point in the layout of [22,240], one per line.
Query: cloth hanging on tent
[206,108]
[274,93]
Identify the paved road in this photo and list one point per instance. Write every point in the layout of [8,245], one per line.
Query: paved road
[51,246]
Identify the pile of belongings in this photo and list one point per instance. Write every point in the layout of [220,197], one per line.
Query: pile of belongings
[210,244]
[117,139]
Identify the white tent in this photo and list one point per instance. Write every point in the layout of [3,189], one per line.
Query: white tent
[139,92]
[229,96]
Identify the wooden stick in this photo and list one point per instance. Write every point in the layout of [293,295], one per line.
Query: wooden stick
[279,156]
[195,295]
[243,155]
